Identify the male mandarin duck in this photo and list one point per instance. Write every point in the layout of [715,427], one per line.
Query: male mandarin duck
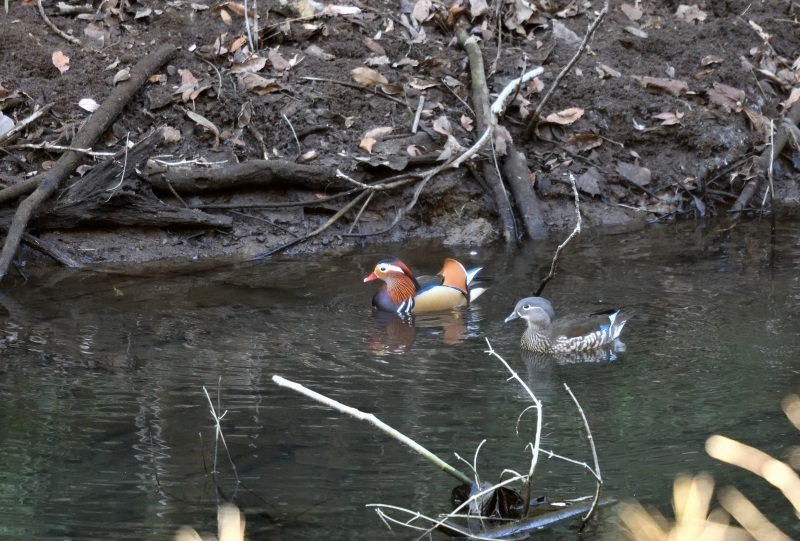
[546,334]
[403,294]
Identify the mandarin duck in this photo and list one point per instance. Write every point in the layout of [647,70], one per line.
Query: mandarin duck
[403,293]
[546,334]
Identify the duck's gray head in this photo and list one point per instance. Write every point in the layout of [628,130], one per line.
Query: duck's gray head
[534,310]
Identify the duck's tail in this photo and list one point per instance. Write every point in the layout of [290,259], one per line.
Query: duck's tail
[455,275]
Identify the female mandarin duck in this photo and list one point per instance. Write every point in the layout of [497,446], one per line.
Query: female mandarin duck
[403,294]
[545,334]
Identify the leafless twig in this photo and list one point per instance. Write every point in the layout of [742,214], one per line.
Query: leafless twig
[561,246]
[57,30]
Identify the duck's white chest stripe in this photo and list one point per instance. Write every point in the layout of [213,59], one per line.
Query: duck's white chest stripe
[406,306]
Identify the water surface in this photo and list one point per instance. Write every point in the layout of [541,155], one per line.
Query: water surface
[107,433]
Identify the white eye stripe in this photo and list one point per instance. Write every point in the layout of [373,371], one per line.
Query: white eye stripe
[392,268]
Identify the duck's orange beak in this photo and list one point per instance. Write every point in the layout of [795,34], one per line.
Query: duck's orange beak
[371,277]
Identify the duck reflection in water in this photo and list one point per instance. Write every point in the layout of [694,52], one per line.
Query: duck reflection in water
[395,333]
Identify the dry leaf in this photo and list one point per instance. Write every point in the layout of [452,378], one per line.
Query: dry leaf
[251,65]
[560,31]
[259,84]
[122,75]
[466,122]
[442,125]
[565,117]
[367,143]
[669,118]
[368,77]
[206,123]
[279,63]
[451,148]
[608,70]
[726,96]
[6,124]
[760,123]
[478,7]
[422,10]
[97,31]
[374,47]
[690,14]
[379,132]
[674,87]
[170,135]
[61,61]
[378,61]
[635,31]
[307,157]
[582,142]
[631,12]
[502,138]
[237,43]
[226,17]
[341,10]
[317,52]
[711,59]
[793,97]
[589,181]
[88,104]
[638,175]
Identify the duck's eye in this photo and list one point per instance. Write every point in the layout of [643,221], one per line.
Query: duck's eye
[383,268]
[526,307]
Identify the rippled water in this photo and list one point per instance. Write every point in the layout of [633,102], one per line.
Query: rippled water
[106,430]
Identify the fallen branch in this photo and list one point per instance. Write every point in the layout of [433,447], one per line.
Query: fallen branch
[98,123]
[371,419]
[236,176]
[484,119]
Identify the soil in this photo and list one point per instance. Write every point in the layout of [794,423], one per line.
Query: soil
[664,116]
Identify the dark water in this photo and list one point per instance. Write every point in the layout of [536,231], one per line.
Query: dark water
[106,431]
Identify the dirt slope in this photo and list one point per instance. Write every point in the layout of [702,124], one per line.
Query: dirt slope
[664,115]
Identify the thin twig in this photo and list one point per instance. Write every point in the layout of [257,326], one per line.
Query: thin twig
[289,122]
[175,193]
[51,146]
[260,219]
[124,167]
[537,404]
[55,29]
[360,212]
[219,76]
[596,470]
[219,435]
[561,246]
[24,122]
[420,105]
[534,118]
[333,219]
[357,86]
